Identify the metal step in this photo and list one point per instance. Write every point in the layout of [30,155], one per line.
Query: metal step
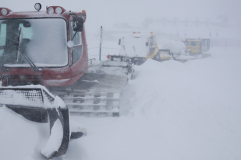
[96,92]
[107,103]
[87,110]
[102,98]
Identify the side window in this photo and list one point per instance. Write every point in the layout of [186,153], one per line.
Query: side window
[2,38]
[152,41]
[151,45]
[192,43]
[77,50]
[77,37]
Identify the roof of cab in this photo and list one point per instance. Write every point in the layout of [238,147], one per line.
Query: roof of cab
[33,14]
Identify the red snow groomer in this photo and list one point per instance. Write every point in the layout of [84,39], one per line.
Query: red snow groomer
[43,56]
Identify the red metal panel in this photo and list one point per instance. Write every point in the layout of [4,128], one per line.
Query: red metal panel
[66,75]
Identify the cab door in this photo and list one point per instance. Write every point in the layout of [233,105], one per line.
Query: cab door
[79,62]
[152,50]
[152,46]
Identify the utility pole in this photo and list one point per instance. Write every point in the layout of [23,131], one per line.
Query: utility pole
[225,44]
[101,39]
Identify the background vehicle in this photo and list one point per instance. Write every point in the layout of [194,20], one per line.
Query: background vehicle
[153,52]
[197,45]
[133,50]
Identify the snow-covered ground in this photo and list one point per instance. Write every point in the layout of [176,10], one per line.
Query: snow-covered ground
[170,111]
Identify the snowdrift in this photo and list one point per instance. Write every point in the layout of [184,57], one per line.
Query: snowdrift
[21,138]
[174,111]
[171,110]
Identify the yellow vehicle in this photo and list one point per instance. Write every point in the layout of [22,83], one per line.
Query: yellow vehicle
[197,45]
[133,50]
[153,52]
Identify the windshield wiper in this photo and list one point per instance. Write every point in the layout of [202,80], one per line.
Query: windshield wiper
[35,68]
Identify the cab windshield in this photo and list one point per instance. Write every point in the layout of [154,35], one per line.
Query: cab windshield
[44,41]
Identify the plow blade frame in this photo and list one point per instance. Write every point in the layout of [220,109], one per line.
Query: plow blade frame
[42,110]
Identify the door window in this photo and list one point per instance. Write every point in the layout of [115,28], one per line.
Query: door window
[151,45]
[77,38]
[193,43]
[2,38]
[77,49]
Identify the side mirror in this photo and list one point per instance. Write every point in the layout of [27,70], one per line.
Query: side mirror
[78,24]
[26,24]
[119,41]
[70,44]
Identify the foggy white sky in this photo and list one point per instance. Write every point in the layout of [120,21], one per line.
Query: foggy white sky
[134,11]
[107,13]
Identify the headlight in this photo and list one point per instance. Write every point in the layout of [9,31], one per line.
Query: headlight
[58,10]
[37,6]
[4,11]
[50,10]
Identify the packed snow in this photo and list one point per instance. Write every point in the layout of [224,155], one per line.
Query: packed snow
[171,110]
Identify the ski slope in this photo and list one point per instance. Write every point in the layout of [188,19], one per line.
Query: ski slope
[170,111]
